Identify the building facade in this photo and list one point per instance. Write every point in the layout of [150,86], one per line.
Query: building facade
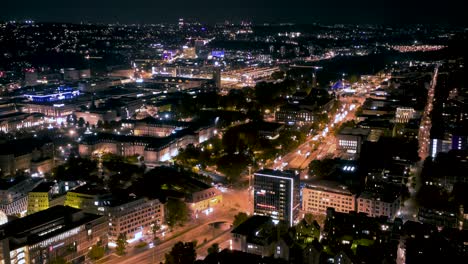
[58,232]
[44,196]
[378,204]
[350,140]
[404,114]
[134,217]
[89,198]
[292,114]
[200,201]
[319,196]
[14,194]
[276,194]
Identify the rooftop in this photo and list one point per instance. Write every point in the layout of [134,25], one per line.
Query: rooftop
[286,173]
[329,186]
[383,195]
[42,225]
[252,224]
[43,187]
[354,131]
[91,189]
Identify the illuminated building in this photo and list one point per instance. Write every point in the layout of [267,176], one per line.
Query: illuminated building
[295,114]
[24,155]
[17,121]
[248,76]
[276,194]
[14,194]
[204,199]
[93,116]
[320,195]
[58,232]
[377,204]
[449,217]
[89,198]
[46,195]
[251,236]
[57,111]
[181,23]
[404,114]
[460,142]
[133,217]
[154,127]
[439,145]
[53,95]
[101,84]
[189,52]
[154,149]
[350,140]
[3,218]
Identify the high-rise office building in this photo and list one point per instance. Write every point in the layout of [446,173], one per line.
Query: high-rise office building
[217,77]
[276,194]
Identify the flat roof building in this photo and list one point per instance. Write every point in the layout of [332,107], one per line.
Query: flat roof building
[320,195]
[276,194]
[58,232]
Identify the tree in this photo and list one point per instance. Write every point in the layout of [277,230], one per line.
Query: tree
[232,165]
[182,253]
[121,244]
[354,78]
[277,75]
[239,219]
[96,252]
[309,218]
[154,229]
[213,249]
[322,168]
[75,169]
[177,212]
[81,122]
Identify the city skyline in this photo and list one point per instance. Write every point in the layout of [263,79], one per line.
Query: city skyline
[209,132]
[257,11]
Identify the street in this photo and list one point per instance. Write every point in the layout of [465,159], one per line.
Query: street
[323,144]
[206,229]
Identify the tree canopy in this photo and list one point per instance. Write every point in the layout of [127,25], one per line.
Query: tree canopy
[239,218]
[182,253]
[213,249]
[121,244]
[75,169]
[177,212]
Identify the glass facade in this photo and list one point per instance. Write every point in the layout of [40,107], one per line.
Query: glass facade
[276,194]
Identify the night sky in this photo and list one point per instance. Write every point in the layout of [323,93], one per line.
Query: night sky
[257,11]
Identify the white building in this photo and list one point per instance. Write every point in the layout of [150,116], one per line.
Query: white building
[404,114]
[377,204]
[319,196]
[14,195]
[134,217]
